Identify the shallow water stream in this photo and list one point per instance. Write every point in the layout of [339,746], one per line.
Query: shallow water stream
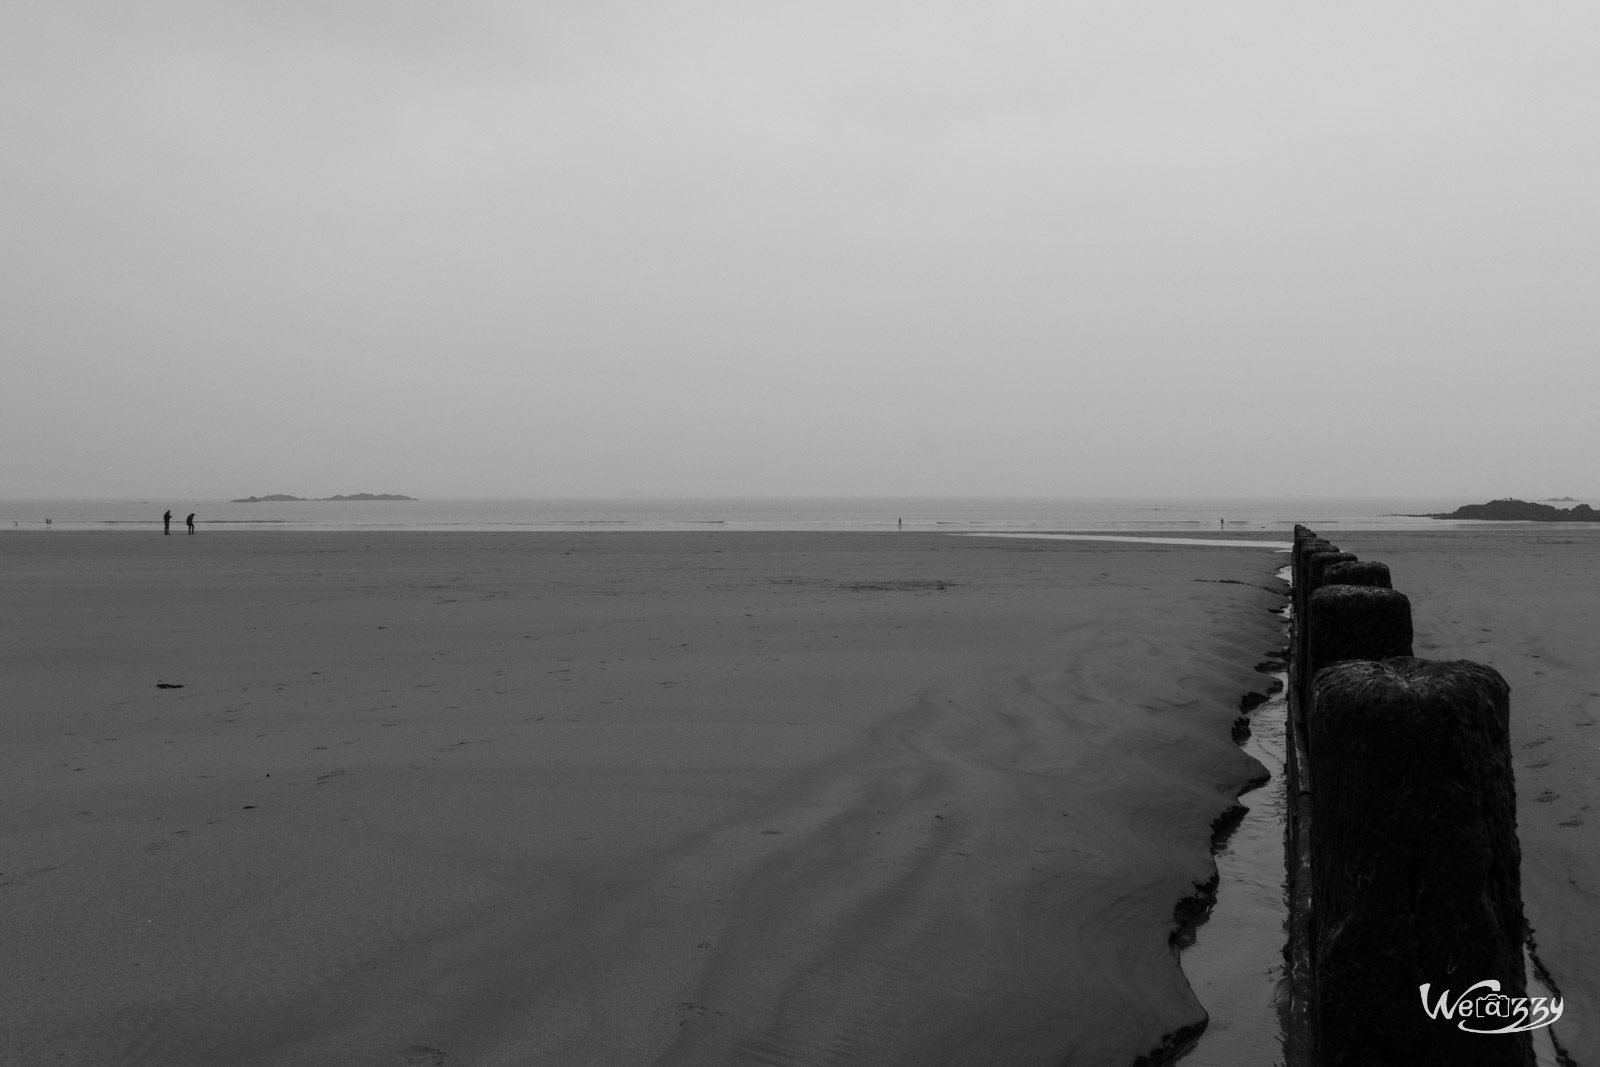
[1236,962]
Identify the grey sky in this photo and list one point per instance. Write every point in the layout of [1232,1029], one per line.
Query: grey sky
[572,248]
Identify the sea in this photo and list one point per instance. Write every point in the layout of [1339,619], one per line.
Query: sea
[1177,515]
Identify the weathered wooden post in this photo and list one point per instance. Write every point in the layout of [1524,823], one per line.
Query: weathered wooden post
[1301,562]
[1304,548]
[1305,542]
[1317,561]
[1356,622]
[1414,864]
[1352,622]
[1317,564]
[1358,572]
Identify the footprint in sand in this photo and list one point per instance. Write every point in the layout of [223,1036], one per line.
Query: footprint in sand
[423,1056]
[1546,797]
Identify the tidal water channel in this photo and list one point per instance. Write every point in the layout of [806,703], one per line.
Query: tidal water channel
[1236,963]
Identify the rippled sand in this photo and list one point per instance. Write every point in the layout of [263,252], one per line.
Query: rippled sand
[705,798]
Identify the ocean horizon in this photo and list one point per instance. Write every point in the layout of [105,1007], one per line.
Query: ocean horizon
[949,514]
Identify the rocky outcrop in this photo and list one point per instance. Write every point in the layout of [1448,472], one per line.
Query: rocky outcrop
[1522,511]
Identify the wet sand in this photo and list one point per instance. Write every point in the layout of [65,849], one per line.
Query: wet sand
[709,798]
[1526,601]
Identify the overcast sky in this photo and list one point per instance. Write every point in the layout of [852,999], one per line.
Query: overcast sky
[582,247]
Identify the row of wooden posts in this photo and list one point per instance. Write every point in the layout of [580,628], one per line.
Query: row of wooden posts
[1403,862]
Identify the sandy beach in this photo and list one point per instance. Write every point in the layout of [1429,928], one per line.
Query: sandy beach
[720,798]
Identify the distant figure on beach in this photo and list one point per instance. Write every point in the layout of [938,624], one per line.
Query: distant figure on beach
[190,521]
[900,524]
[166,523]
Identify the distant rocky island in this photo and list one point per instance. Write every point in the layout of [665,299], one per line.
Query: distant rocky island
[275,497]
[1522,511]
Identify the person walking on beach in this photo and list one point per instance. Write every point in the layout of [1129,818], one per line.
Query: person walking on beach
[190,521]
[166,523]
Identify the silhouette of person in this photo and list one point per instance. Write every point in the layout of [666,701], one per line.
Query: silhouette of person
[166,523]
[190,521]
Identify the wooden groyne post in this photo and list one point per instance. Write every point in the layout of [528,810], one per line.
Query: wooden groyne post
[1404,869]
[1415,865]
[1358,572]
[1353,622]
